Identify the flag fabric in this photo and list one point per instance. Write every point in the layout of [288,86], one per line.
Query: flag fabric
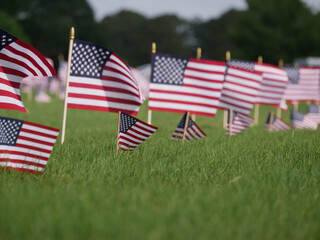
[301,121]
[303,84]
[193,132]
[62,71]
[273,84]
[143,83]
[25,146]
[277,124]
[314,113]
[185,85]
[240,123]
[133,132]
[240,89]
[101,81]
[18,60]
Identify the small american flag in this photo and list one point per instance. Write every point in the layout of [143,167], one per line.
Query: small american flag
[273,84]
[25,146]
[277,124]
[101,81]
[18,60]
[193,132]
[185,85]
[314,113]
[240,123]
[240,89]
[133,132]
[303,84]
[301,121]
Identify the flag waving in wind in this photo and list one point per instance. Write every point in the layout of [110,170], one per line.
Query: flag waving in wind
[185,85]
[277,124]
[101,81]
[25,146]
[133,132]
[301,121]
[17,61]
[239,123]
[193,132]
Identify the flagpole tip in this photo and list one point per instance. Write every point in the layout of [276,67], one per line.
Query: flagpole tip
[260,59]
[153,47]
[72,33]
[228,55]
[199,52]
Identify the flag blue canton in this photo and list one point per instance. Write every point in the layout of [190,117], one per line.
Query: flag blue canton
[88,59]
[126,122]
[297,116]
[313,109]
[234,114]
[9,131]
[183,121]
[5,39]
[167,69]
[293,74]
[249,65]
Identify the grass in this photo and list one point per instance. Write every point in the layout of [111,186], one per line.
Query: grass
[256,185]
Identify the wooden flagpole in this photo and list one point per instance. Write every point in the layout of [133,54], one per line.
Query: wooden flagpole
[153,50]
[270,122]
[256,106]
[230,121]
[199,53]
[119,119]
[185,127]
[279,108]
[225,112]
[67,86]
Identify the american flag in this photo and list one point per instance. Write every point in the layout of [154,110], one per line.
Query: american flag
[185,85]
[101,81]
[274,81]
[25,146]
[193,132]
[133,132]
[314,113]
[277,124]
[240,123]
[17,61]
[240,89]
[301,121]
[62,71]
[303,84]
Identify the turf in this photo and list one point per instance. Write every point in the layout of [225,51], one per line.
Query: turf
[257,185]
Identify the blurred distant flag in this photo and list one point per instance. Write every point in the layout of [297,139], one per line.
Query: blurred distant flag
[185,85]
[25,146]
[277,124]
[240,123]
[133,132]
[101,81]
[304,83]
[62,71]
[301,121]
[240,89]
[193,132]
[143,83]
[17,61]
[273,84]
[314,113]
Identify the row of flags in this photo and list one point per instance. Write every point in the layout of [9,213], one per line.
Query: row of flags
[99,80]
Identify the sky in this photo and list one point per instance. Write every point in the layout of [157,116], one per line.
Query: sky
[188,9]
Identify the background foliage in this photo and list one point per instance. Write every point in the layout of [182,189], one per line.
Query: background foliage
[275,29]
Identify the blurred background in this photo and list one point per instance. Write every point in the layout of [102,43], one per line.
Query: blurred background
[275,29]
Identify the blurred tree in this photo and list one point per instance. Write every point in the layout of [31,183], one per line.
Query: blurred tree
[131,36]
[275,29]
[12,26]
[212,36]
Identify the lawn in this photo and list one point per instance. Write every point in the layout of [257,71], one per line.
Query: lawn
[257,185]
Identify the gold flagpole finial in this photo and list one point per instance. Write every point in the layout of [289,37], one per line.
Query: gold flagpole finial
[72,33]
